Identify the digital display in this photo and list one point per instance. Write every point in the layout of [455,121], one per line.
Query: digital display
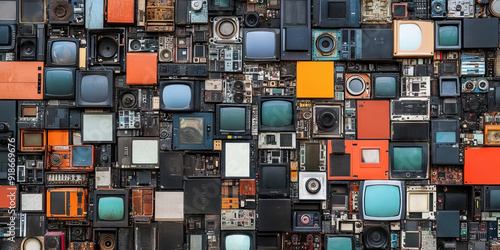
[277,113]
[64,53]
[448,35]
[94,88]
[33,140]
[382,201]
[260,44]
[232,119]
[177,96]
[59,82]
[407,158]
[237,242]
[110,208]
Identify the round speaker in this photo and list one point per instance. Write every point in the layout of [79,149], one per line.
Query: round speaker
[376,237]
[128,100]
[27,48]
[313,185]
[474,104]
[226,28]
[165,55]
[305,219]
[327,120]
[51,243]
[107,47]
[469,85]
[438,7]
[238,85]
[32,244]
[483,84]
[495,8]
[107,242]
[251,19]
[60,11]
[326,44]
[238,98]
[135,45]
[56,160]
[355,85]
[196,5]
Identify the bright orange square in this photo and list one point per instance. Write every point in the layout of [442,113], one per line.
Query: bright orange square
[315,80]
[121,11]
[57,137]
[141,68]
[374,120]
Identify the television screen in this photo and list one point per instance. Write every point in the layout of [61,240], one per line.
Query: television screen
[110,208]
[407,158]
[312,155]
[410,36]
[455,201]
[370,155]
[98,128]
[446,137]
[64,53]
[449,87]
[261,44]
[82,156]
[33,140]
[94,89]
[448,35]
[382,201]
[145,151]
[385,86]
[273,179]
[8,10]
[177,95]
[339,243]
[32,11]
[59,83]
[277,113]
[5,35]
[237,242]
[232,119]
[494,202]
[192,131]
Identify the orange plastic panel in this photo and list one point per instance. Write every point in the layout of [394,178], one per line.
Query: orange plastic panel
[369,160]
[141,68]
[374,120]
[21,80]
[315,80]
[121,11]
[8,196]
[482,166]
[58,137]
[74,204]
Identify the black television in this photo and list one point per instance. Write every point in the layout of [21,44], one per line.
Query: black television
[111,208]
[448,35]
[409,160]
[63,52]
[233,121]
[7,37]
[177,95]
[385,85]
[94,88]
[276,114]
[241,240]
[491,198]
[449,86]
[261,44]
[59,83]
[274,180]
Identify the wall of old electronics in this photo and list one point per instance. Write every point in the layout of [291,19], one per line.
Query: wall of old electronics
[243,125]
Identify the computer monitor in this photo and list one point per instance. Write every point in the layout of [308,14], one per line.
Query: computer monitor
[449,86]
[8,11]
[261,44]
[94,88]
[177,95]
[276,113]
[448,35]
[413,38]
[233,121]
[7,36]
[274,180]
[241,240]
[409,160]
[385,85]
[59,83]
[192,131]
[382,200]
[63,52]
[111,208]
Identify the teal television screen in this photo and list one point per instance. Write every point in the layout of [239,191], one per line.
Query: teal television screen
[277,114]
[339,243]
[407,158]
[110,208]
[232,119]
[382,201]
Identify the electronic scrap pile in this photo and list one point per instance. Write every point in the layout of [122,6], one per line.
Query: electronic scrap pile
[244,125]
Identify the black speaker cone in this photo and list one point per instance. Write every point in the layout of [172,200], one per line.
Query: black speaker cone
[107,47]
[376,237]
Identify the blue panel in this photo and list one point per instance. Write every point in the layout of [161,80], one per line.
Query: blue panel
[94,14]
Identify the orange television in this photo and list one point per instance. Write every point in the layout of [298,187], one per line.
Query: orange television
[413,38]
[21,80]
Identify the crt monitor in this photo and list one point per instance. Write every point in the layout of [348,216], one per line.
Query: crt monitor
[382,200]
[276,113]
[491,199]
[273,180]
[385,85]
[261,44]
[8,11]
[63,52]
[94,88]
[238,240]
[193,131]
[177,95]
[413,38]
[409,160]
[339,242]
[59,83]
[448,35]
[7,37]
[233,120]
[111,208]
[449,86]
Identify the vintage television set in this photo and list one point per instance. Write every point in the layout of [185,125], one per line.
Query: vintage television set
[242,240]
[233,121]
[341,241]
[336,13]
[7,36]
[261,44]
[491,198]
[179,95]
[385,85]
[111,208]
[94,88]
[98,127]
[32,11]
[193,131]
[274,180]
[413,38]
[409,160]
[276,114]
[63,52]
[59,83]
[445,144]
[382,200]
[448,35]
